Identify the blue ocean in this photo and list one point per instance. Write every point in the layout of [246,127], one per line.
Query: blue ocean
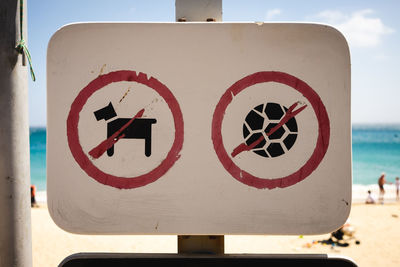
[376,149]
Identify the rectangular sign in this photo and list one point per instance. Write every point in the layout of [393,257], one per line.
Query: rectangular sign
[145,260]
[198,128]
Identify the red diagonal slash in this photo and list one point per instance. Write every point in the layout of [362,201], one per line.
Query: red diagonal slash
[290,113]
[99,150]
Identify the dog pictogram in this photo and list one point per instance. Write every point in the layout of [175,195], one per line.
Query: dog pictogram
[140,128]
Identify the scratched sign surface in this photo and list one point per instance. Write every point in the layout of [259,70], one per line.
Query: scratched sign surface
[198,128]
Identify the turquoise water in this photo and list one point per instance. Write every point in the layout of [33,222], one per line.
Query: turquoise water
[376,149]
[37,138]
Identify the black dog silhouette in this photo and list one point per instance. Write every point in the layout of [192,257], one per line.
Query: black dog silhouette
[140,128]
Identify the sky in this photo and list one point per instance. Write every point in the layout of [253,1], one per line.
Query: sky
[372,29]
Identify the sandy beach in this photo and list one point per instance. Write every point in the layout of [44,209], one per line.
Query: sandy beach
[376,227]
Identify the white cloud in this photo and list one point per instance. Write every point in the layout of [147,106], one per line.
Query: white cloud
[271,13]
[381,56]
[360,28]
[331,16]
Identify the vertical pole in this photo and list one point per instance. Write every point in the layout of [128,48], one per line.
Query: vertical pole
[200,11]
[201,244]
[15,214]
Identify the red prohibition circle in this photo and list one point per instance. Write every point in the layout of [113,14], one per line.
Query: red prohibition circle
[81,157]
[323,130]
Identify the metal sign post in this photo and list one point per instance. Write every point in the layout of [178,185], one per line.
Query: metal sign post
[201,244]
[186,11]
[198,10]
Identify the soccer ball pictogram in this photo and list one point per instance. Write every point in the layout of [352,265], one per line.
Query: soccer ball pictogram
[260,120]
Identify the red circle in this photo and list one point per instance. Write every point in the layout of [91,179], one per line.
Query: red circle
[82,159]
[323,130]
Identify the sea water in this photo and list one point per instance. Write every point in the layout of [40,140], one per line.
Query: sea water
[376,149]
[37,139]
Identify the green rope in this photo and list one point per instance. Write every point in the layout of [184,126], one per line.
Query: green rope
[21,46]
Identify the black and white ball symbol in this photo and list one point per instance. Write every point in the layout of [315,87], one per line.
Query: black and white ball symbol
[260,120]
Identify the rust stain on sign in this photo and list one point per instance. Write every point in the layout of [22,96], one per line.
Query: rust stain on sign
[127,91]
[102,69]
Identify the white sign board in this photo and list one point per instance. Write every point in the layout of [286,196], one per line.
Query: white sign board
[198,128]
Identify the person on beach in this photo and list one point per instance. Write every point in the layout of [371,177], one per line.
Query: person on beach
[381,183]
[33,197]
[397,183]
[370,199]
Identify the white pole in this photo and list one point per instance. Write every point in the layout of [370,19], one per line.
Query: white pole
[198,10]
[15,214]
